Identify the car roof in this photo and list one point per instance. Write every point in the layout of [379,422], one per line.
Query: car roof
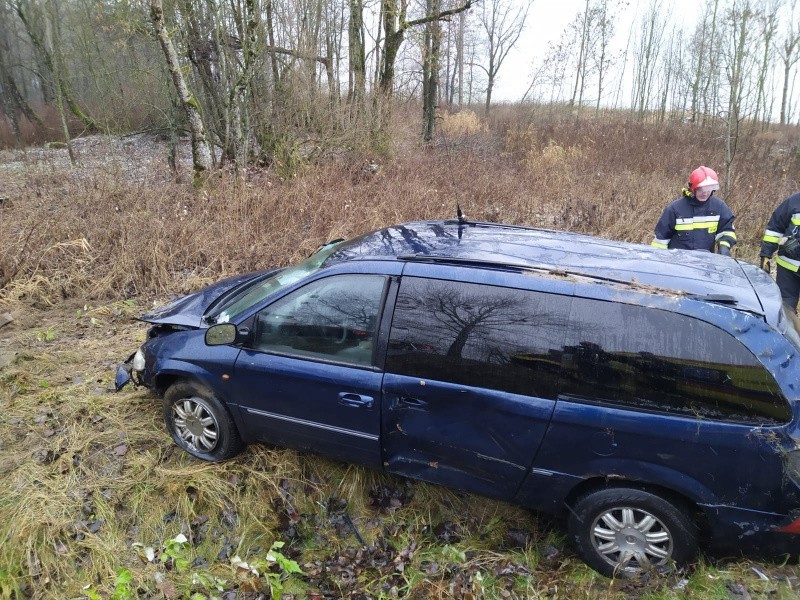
[702,275]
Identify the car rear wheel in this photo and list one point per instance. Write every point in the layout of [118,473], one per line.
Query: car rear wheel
[622,532]
[199,423]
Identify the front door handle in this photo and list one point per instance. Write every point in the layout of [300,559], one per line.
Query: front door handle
[355,400]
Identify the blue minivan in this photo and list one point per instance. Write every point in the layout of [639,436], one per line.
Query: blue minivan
[648,396]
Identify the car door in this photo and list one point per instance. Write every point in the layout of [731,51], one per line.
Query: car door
[471,380]
[308,378]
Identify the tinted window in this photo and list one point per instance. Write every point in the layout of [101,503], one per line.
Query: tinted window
[333,318]
[478,335]
[657,360]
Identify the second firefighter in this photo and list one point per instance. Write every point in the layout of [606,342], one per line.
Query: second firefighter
[698,220]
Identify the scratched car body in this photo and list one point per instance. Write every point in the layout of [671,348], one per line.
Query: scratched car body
[647,396]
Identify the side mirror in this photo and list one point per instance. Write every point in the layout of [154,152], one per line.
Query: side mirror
[221,335]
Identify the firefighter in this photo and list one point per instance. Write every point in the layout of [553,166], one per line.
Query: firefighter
[783,234]
[697,220]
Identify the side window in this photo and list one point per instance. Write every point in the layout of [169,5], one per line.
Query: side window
[657,360]
[333,318]
[478,335]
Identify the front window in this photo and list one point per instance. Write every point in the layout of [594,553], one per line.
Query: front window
[251,296]
[335,318]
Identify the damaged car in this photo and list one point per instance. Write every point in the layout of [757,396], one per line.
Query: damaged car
[647,396]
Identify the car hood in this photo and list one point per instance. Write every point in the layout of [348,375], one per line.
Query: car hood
[188,310]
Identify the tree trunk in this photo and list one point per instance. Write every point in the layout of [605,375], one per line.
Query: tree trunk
[394,29]
[356,51]
[49,42]
[201,151]
[581,67]
[462,18]
[50,54]
[430,72]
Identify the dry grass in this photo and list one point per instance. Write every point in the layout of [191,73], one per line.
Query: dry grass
[95,233]
[89,480]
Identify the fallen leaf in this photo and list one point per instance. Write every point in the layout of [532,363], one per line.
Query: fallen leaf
[95,526]
[61,547]
[168,589]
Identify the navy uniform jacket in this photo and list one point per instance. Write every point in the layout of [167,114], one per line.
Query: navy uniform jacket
[688,224]
[785,222]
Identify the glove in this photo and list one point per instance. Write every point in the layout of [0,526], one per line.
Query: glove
[791,248]
[724,249]
[765,264]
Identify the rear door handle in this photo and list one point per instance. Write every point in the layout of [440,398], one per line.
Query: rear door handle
[413,402]
[355,400]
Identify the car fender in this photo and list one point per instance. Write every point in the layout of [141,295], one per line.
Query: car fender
[652,475]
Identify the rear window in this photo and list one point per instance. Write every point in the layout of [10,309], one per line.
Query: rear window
[661,361]
[478,335]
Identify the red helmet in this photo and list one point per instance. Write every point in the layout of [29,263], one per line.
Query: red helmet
[703,177]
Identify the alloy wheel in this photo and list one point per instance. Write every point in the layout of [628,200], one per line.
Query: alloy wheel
[195,424]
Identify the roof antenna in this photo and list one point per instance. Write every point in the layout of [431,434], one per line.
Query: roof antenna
[462,218]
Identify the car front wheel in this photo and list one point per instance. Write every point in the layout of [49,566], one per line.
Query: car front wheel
[622,532]
[199,423]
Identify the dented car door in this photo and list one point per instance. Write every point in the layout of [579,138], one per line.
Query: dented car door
[470,383]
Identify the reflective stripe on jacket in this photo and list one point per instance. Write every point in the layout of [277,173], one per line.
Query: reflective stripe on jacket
[688,224]
[784,223]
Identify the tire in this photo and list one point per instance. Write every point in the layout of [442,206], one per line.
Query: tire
[610,530]
[199,423]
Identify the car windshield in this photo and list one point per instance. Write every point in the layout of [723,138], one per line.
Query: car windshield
[789,326]
[249,296]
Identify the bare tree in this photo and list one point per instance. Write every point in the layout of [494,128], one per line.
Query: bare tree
[430,70]
[739,62]
[52,46]
[768,27]
[789,53]
[41,23]
[357,54]
[581,27]
[502,23]
[395,25]
[604,20]
[646,53]
[12,100]
[703,55]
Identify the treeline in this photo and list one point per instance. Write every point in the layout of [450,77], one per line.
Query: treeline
[274,80]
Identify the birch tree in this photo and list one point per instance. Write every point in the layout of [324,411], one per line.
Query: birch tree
[201,151]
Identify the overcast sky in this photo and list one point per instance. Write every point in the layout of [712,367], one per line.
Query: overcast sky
[546,22]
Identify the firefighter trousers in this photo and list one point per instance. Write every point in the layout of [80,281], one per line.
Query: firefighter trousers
[789,284]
